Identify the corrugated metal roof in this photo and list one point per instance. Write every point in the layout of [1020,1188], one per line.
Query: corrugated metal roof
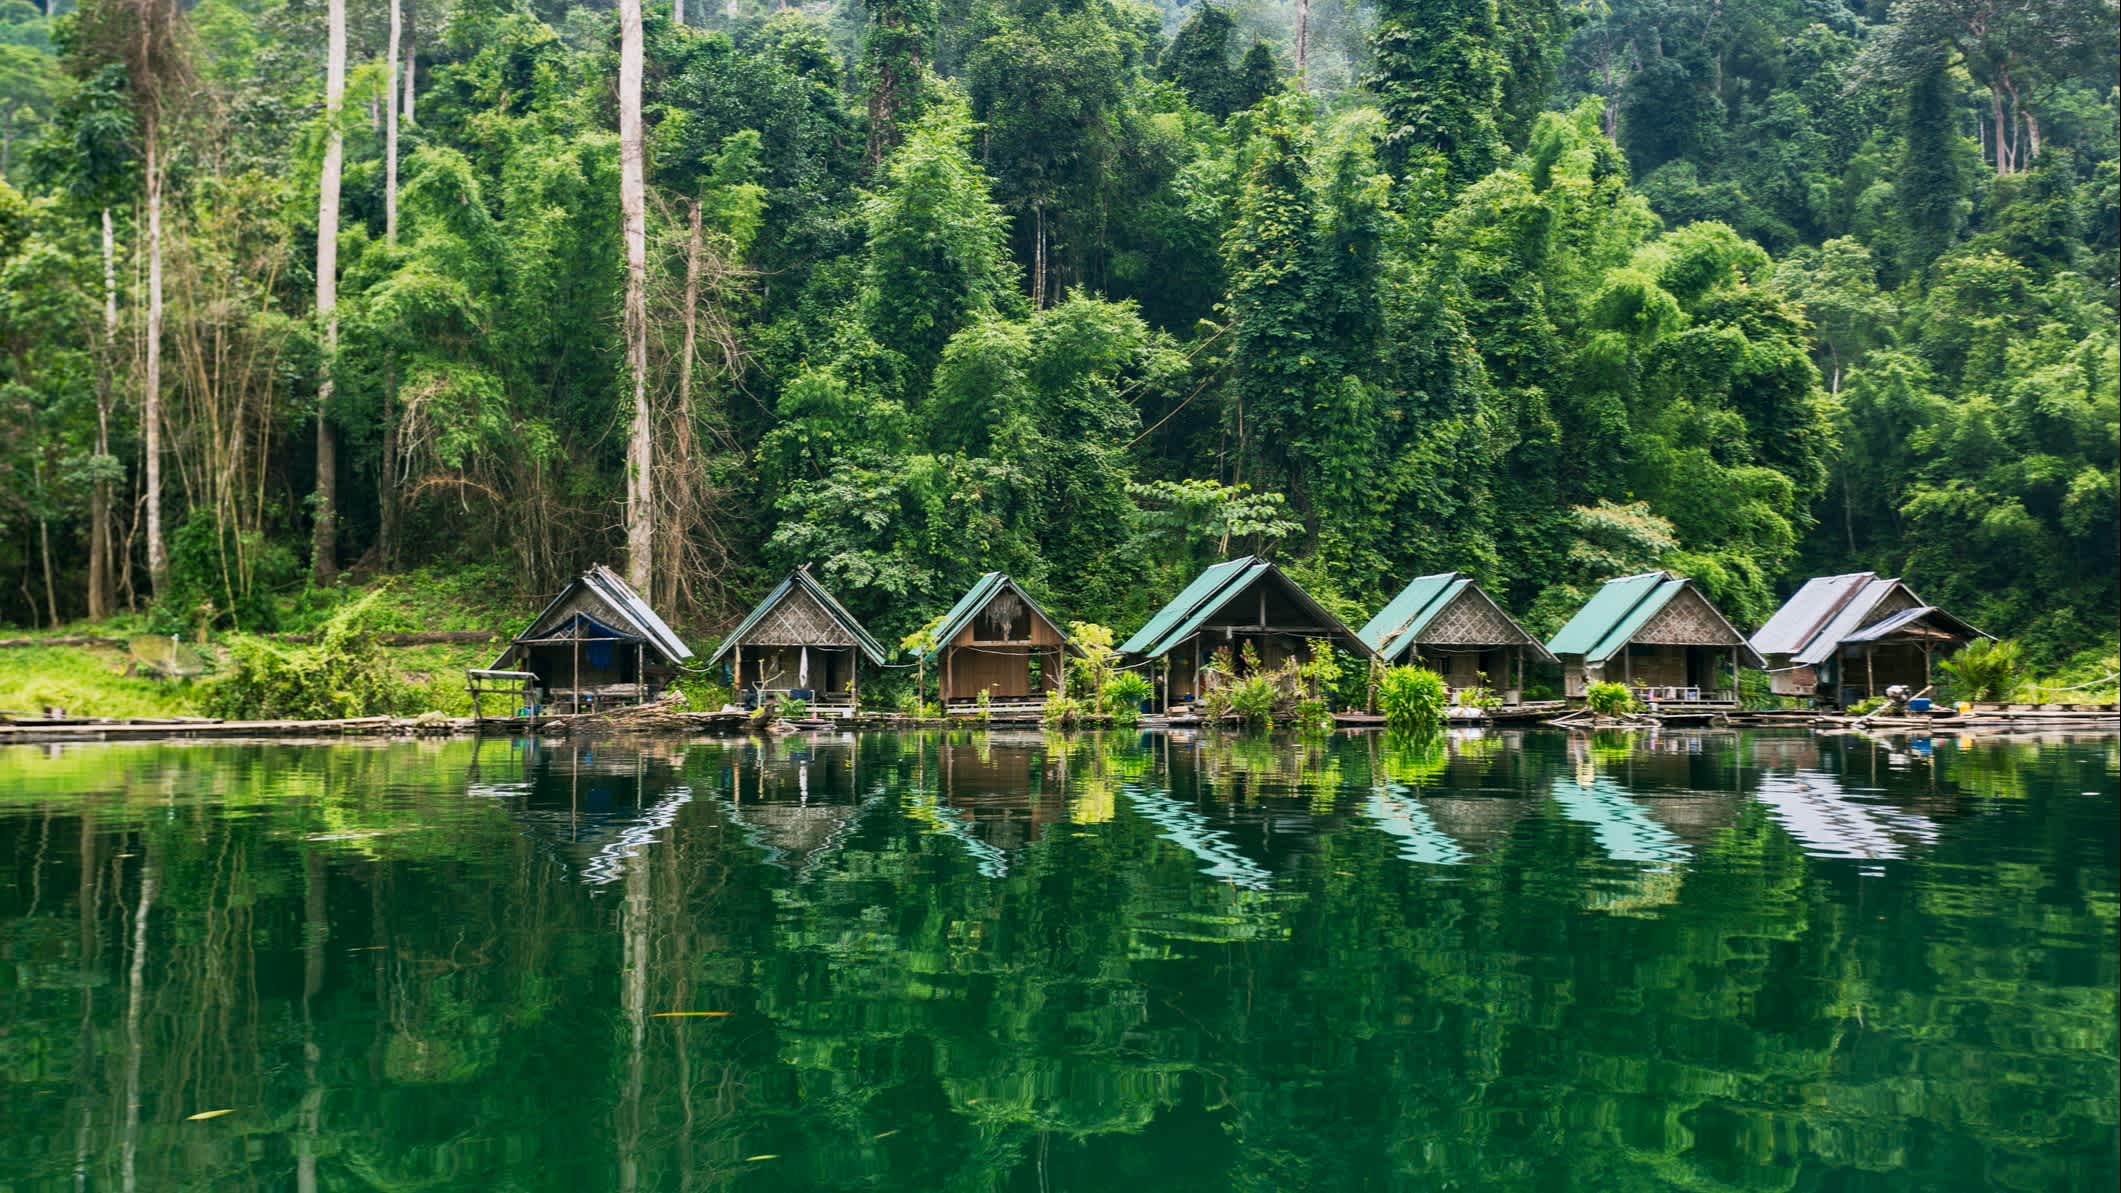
[1893,622]
[1400,624]
[976,598]
[1238,583]
[616,593]
[1393,629]
[1850,618]
[1208,608]
[1807,611]
[1637,617]
[1611,604]
[1185,602]
[1611,618]
[800,578]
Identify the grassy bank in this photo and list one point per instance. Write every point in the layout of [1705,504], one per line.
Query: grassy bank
[104,680]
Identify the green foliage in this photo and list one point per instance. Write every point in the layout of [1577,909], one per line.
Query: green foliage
[1554,293]
[343,674]
[1866,706]
[793,709]
[1610,699]
[1123,695]
[1985,669]
[1412,699]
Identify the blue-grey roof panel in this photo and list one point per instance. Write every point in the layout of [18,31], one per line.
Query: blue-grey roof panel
[1807,611]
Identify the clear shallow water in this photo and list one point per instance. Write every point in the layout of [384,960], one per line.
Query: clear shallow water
[1703,961]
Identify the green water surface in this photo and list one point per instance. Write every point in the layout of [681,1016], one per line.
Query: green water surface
[1006,961]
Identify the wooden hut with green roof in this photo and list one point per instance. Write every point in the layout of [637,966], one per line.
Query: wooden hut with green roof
[997,640]
[1240,601]
[1449,624]
[1660,636]
[800,644]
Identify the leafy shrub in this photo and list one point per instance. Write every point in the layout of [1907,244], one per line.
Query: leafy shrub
[794,709]
[1411,698]
[218,577]
[702,694]
[1314,718]
[343,674]
[1866,706]
[1610,699]
[1986,670]
[1252,701]
[1123,696]
[986,705]
[1061,712]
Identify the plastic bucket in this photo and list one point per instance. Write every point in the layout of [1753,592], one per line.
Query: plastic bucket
[1919,704]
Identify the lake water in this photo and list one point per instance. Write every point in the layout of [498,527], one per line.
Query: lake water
[1513,961]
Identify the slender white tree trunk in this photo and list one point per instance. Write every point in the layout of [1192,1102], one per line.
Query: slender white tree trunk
[99,536]
[677,12]
[390,126]
[412,62]
[640,492]
[151,384]
[324,563]
[1303,41]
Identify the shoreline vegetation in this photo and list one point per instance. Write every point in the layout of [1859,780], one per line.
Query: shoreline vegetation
[332,333]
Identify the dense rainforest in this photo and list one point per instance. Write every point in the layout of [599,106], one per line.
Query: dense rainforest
[294,293]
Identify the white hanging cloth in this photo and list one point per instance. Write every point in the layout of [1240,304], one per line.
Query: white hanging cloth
[802,670]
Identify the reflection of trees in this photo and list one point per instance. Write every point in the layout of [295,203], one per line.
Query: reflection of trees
[249,927]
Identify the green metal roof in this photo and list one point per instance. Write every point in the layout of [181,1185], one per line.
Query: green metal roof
[976,598]
[1612,605]
[800,578]
[1611,618]
[1217,587]
[1396,625]
[1185,602]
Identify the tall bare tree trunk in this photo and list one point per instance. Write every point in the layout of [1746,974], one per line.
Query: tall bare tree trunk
[386,481]
[1303,41]
[99,535]
[678,512]
[677,12]
[412,62]
[151,384]
[390,126]
[640,491]
[324,557]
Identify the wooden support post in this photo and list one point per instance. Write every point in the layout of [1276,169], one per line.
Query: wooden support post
[1926,682]
[854,680]
[640,673]
[736,675]
[1870,674]
[575,680]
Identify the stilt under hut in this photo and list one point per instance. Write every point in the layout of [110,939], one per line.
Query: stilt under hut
[1842,638]
[597,645]
[1240,601]
[798,644]
[997,640]
[1449,624]
[1660,636]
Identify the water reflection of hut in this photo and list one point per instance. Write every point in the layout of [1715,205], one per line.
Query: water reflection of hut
[1842,638]
[1449,624]
[596,644]
[1660,636]
[801,643]
[1242,602]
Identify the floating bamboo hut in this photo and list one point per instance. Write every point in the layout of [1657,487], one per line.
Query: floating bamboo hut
[596,645]
[1660,636]
[1843,638]
[798,643]
[1241,601]
[997,640]
[1449,624]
